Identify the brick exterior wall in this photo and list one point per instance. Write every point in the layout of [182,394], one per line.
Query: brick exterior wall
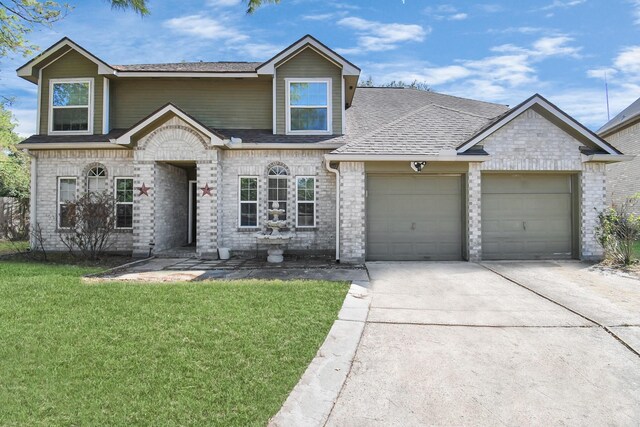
[474,212]
[530,143]
[52,164]
[352,212]
[593,199]
[236,163]
[624,178]
[171,206]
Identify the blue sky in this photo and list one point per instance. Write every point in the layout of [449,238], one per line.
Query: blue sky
[500,51]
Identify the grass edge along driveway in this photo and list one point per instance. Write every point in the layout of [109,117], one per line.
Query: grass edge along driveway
[213,353]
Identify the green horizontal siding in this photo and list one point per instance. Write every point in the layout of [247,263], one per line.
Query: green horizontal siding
[309,64]
[221,103]
[71,65]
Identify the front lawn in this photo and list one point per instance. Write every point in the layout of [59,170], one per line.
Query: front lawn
[636,250]
[208,353]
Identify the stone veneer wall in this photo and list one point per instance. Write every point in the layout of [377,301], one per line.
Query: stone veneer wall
[352,212]
[624,178]
[52,164]
[530,143]
[236,163]
[172,206]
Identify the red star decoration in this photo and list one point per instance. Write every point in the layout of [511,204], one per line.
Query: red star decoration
[144,190]
[206,190]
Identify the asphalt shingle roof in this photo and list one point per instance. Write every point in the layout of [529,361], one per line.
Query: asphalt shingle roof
[195,67]
[380,121]
[629,113]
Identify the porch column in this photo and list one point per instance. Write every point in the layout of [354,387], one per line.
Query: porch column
[474,212]
[352,212]
[143,206]
[207,209]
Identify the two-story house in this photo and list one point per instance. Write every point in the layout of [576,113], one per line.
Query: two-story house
[194,153]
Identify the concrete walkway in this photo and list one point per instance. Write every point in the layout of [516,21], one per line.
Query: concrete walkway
[459,344]
[193,269]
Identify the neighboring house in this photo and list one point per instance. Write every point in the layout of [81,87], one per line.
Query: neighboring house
[623,132]
[195,152]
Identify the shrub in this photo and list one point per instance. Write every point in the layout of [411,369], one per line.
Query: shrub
[91,223]
[618,230]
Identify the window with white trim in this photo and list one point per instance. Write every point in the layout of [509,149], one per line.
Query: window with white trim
[248,202]
[70,106]
[306,201]
[278,189]
[124,202]
[308,106]
[96,180]
[66,201]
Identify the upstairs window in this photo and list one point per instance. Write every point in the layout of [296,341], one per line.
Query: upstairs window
[70,106]
[308,106]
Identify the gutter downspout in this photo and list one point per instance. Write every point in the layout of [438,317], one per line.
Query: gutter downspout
[33,222]
[337,173]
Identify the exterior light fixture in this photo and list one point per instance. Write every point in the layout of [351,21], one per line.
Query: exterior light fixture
[418,166]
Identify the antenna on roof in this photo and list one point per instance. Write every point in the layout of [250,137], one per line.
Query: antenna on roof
[606,92]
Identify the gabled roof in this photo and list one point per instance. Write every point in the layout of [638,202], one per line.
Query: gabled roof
[627,116]
[168,109]
[556,113]
[64,44]
[269,66]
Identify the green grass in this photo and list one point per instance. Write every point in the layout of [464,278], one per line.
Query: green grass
[7,247]
[208,353]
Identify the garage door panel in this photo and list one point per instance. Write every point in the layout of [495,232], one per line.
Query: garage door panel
[414,217]
[533,224]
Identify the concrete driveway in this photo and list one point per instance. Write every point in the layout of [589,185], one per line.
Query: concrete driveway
[514,343]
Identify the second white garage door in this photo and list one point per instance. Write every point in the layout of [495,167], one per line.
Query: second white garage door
[414,217]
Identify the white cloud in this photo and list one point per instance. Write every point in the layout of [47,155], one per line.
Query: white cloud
[223,3]
[324,16]
[636,11]
[376,36]
[261,51]
[204,27]
[544,47]
[520,30]
[562,4]
[628,60]
[445,12]
[26,119]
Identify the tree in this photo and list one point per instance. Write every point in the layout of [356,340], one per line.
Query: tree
[396,83]
[19,17]
[14,164]
[253,5]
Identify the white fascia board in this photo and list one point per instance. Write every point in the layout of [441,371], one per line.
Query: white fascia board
[336,157]
[27,69]
[125,139]
[69,145]
[536,100]
[607,158]
[269,67]
[182,75]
